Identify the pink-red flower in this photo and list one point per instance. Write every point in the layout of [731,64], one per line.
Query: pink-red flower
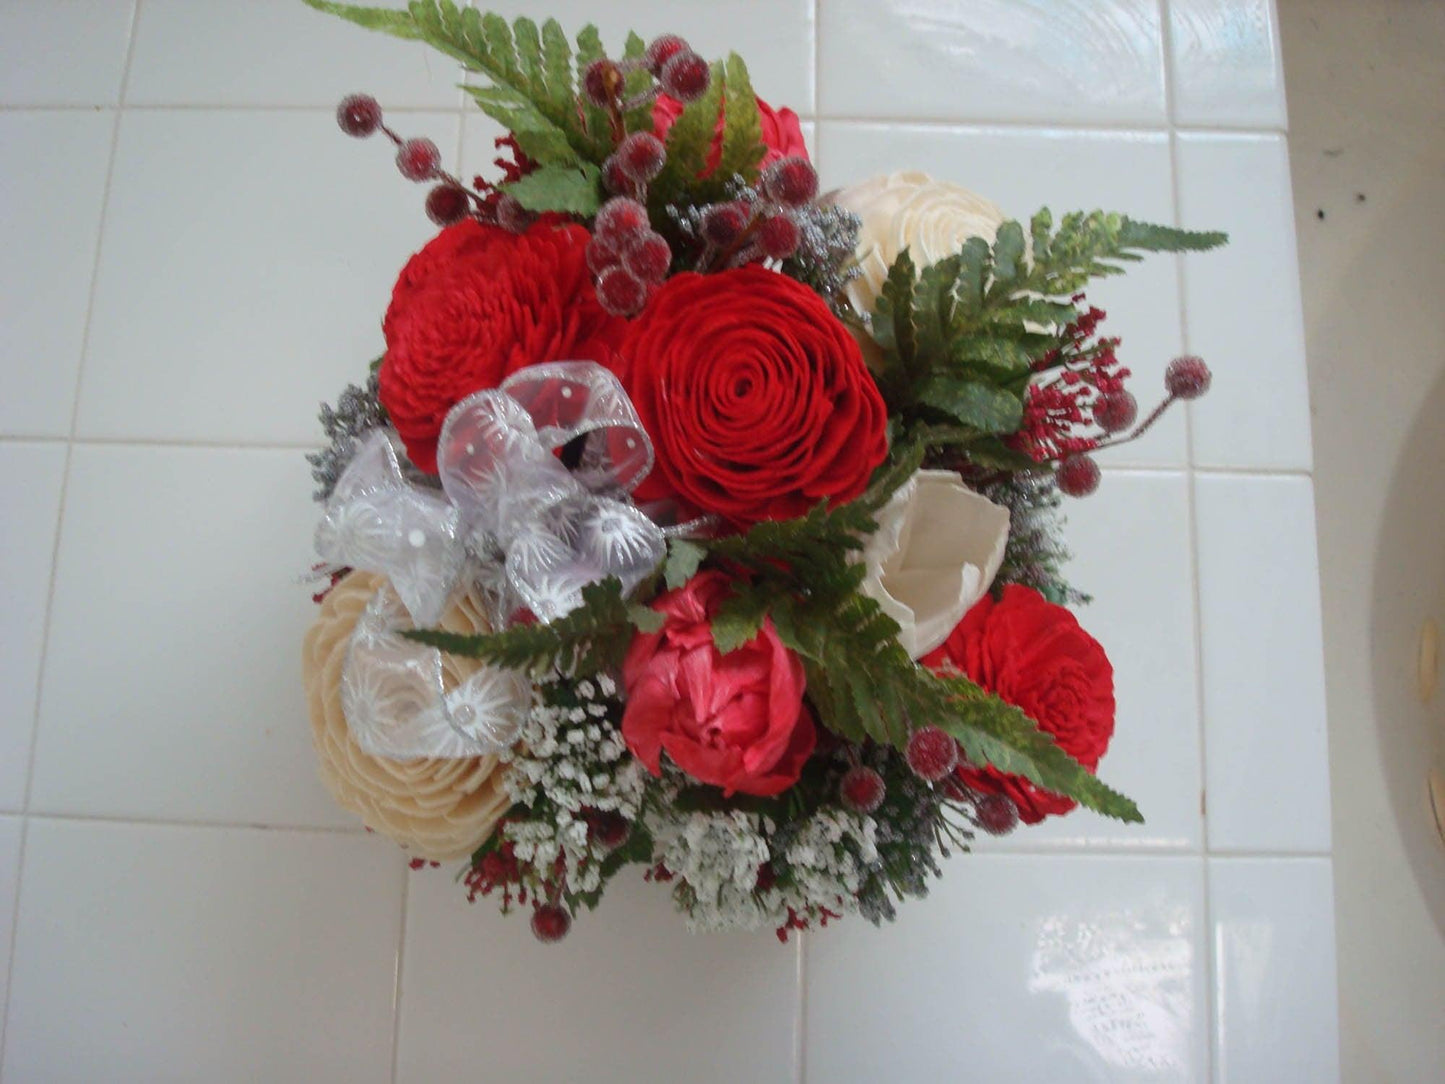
[735,721]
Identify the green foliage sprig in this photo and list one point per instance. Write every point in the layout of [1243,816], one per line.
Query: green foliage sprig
[960,339]
[589,640]
[533,92]
[863,683]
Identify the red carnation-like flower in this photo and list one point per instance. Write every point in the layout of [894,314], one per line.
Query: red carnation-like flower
[1034,655]
[477,304]
[782,134]
[736,721]
[755,395]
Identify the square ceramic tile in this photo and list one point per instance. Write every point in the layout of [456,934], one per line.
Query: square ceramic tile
[1227,68]
[1275,1014]
[1131,545]
[1023,171]
[52,186]
[775,37]
[69,53]
[277,52]
[172,684]
[10,831]
[1244,302]
[1266,757]
[628,996]
[30,482]
[153,953]
[1018,968]
[1069,60]
[247,261]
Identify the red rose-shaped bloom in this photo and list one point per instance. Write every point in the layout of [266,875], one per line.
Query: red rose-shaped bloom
[755,395]
[1034,655]
[782,134]
[736,721]
[477,304]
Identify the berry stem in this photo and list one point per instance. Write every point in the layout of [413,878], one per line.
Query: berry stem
[1143,427]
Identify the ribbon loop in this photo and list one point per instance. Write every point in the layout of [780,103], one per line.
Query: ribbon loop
[506,491]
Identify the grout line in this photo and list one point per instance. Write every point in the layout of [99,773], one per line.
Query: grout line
[75,401]
[1080,125]
[397,974]
[1102,127]
[14,931]
[184,442]
[126,820]
[800,1008]
[223,107]
[12,936]
[1192,515]
[1015,849]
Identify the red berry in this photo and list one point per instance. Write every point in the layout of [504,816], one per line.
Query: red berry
[1116,411]
[1187,377]
[601,256]
[931,753]
[616,178]
[1078,476]
[779,235]
[648,257]
[621,292]
[512,216]
[996,813]
[550,923]
[418,159]
[722,223]
[662,50]
[602,82]
[862,789]
[358,115]
[686,76]
[608,830]
[641,156]
[619,219]
[793,182]
[445,204]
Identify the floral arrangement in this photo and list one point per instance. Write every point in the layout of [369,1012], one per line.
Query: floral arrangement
[698,522]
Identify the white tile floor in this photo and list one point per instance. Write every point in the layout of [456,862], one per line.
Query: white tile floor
[191,256]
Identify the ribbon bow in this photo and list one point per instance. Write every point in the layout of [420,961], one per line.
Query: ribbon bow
[508,503]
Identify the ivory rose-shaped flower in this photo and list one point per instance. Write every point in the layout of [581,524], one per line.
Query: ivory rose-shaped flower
[736,721]
[936,551]
[931,219]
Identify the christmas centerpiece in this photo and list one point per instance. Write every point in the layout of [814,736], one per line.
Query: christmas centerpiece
[701,526]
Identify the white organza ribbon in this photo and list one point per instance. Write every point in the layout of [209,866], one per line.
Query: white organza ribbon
[507,496]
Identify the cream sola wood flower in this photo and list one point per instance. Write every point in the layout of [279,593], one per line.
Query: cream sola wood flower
[435,808]
[936,551]
[931,219]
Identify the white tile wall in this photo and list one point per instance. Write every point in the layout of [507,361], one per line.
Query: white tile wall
[30,480]
[1269,1021]
[1069,968]
[192,257]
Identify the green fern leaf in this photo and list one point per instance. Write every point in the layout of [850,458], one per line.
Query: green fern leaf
[534,132]
[688,142]
[742,141]
[387,20]
[571,189]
